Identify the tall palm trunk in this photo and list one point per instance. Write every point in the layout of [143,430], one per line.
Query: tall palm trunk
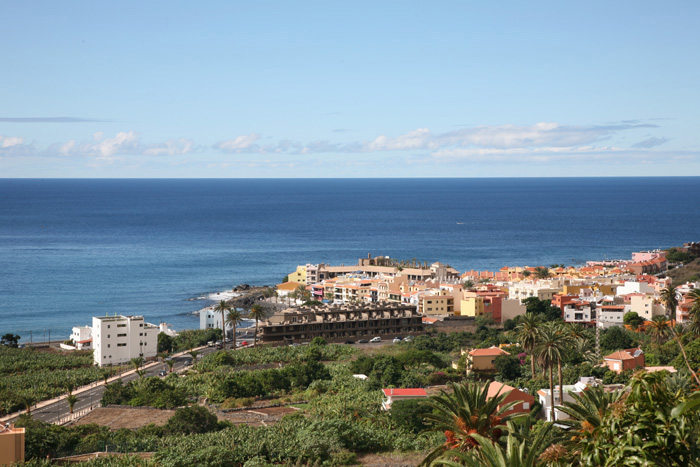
[255,339]
[551,390]
[685,357]
[223,326]
[234,336]
[561,383]
[532,363]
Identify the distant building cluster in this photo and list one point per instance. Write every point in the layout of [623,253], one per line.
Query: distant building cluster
[599,293]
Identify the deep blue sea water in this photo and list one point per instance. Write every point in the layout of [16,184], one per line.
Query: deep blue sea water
[71,249]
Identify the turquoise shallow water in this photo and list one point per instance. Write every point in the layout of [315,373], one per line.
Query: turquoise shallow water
[71,249]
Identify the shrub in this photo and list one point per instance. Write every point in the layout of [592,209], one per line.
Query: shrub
[188,420]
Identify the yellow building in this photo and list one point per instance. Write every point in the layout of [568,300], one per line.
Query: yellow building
[298,276]
[471,305]
[442,304]
[11,445]
[482,359]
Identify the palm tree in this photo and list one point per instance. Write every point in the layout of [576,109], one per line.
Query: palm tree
[257,313]
[170,364]
[223,308]
[71,399]
[588,407]
[466,412]
[669,295]
[526,335]
[577,331]
[137,362]
[27,401]
[520,451]
[659,329]
[234,318]
[542,272]
[551,346]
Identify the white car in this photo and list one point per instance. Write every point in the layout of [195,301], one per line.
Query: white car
[376,339]
[396,340]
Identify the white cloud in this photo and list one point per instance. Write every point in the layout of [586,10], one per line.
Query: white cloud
[9,141]
[238,143]
[416,139]
[173,147]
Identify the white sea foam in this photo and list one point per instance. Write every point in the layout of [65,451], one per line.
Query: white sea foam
[226,295]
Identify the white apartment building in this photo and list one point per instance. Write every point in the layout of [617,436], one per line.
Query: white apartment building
[544,290]
[611,315]
[579,312]
[118,339]
[630,287]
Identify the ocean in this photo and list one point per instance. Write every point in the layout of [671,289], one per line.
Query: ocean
[71,249]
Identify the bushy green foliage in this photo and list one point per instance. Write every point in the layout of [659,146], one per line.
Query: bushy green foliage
[165,342]
[195,419]
[633,319]
[542,308]
[192,338]
[267,355]
[508,367]
[616,338]
[409,415]
[149,392]
[674,255]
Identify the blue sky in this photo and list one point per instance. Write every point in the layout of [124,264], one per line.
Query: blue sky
[352,89]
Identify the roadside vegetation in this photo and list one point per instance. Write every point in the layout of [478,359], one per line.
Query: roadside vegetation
[29,375]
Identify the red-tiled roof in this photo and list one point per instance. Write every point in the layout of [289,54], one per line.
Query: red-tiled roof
[405,392]
[491,351]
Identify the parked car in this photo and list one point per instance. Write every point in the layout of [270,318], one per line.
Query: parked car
[210,344]
[362,341]
[396,340]
[408,338]
[349,342]
[375,339]
[244,343]
[163,373]
[219,346]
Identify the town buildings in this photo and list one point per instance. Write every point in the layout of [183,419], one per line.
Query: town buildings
[118,339]
[339,322]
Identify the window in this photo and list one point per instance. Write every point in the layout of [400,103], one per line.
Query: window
[121,345]
[108,345]
[526,406]
[108,326]
[121,335]
[121,325]
[108,336]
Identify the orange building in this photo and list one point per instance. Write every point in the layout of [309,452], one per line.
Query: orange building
[627,359]
[11,445]
[523,399]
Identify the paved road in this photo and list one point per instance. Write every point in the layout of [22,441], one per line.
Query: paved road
[90,397]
